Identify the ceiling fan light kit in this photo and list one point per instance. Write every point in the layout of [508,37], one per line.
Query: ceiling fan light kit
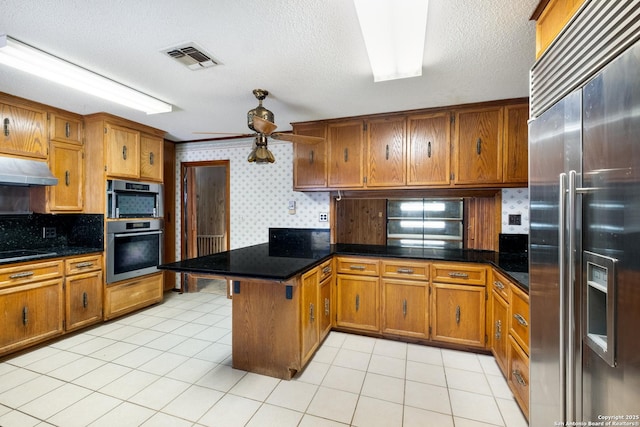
[42,64]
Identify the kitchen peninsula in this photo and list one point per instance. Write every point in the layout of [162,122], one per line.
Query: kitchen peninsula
[282,309]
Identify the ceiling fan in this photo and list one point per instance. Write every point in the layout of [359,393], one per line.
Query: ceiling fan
[260,120]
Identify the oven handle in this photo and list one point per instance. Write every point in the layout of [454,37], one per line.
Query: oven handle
[146,233]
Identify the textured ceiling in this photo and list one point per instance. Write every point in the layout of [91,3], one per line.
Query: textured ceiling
[309,54]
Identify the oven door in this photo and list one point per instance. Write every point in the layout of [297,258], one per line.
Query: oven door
[133,253]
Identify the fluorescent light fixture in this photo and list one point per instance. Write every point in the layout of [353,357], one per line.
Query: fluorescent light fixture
[422,207]
[394,33]
[433,225]
[34,61]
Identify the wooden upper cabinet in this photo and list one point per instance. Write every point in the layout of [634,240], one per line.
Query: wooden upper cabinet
[65,129]
[24,131]
[386,152]
[67,164]
[478,146]
[123,151]
[346,157]
[429,149]
[310,160]
[516,144]
[551,17]
[151,158]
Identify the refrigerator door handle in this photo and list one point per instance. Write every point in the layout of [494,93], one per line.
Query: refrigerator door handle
[562,238]
[571,324]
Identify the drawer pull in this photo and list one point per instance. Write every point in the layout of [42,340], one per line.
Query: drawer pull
[404,308]
[498,284]
[386,154]
[326,270]
[346,155]
[518,376]
[459,274]
[405,271]
[479,146]
[326,306]
[498,329]
[357,267]
[311,157]
[520,319]
[357,302]
[151,158]
[25,315]
[6,127]
[67,129]
[458,315]
[84,264]
[429,149]
[21,275]
[311,316]
[85,300]
[124,152]
[67,178]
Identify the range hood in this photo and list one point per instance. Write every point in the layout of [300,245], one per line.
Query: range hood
[14,171]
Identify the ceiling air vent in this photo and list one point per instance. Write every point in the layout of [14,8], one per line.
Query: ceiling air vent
[192,56]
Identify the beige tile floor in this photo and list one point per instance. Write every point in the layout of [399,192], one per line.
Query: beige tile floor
[170,365]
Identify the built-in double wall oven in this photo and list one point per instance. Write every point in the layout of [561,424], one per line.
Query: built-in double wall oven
[134,229]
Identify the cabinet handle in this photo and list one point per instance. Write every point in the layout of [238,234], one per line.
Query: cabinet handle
[124,152]
[311,157]
[498,284]
[429,149]
[346,154]
[479,146]
[386,155]
[404,308]
[151,158]
[67,178]
[6,127]
[459,274]
[311,317]
[25,315]
[498,329]
[357,302]
[84,264]
[67,129]
[405,271]
[357,267]
[521,319]
[458,315]
[326,270]
[518,376]
[326,306]
[85,300]
[21,275]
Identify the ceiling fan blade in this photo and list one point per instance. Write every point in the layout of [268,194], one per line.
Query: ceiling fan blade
[298,139]
[263,126]
[224,133]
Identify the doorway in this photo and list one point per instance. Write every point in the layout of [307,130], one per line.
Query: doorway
[205,218]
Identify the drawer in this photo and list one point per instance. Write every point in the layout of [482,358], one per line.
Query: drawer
[131,295]
[326,269]
[519,322]
[405,269]
[501,285]
[519,375]
[459,273]
[361,266]
[30,272]
[82,264]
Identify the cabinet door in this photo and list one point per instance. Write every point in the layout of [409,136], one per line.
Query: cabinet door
[386,152]
[405,308]
[357,302]
[516,144]
[130,295]
[24,131]
[310,313]
[30,313]
[310,160]
[123,151]
[345,141]
[67,164]
[499,332]
[324,308]
[458,314]
[478,146]
[83,294]
[65,129]
[151,161]
[429,149]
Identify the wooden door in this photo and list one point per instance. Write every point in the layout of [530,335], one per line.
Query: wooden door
[429,149]
[324,308]
[516,144]
[151,157]
[67,164]
[405,308]
[24,131]
[386,152]
[123,151]
[357,302]
[83,294]
[310,160]
[458,314]
[499,332]
[478,146]
[310,313]
[346,157]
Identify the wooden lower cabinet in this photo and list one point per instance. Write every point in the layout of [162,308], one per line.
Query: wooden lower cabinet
[130,295]
[458,314]
[83,291]
[358,302]
[310,312]
[499,330]
[518,375]
[325,302]
[405,309]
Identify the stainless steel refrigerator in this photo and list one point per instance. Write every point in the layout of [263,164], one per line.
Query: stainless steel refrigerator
[584,251]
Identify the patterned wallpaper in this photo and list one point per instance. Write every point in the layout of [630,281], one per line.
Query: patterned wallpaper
[515,201]
[260,193]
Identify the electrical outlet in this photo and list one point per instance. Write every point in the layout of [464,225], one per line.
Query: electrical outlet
[48,232]
[515,219]
[324,217]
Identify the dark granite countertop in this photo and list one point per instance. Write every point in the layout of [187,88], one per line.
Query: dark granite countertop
[55,252]
[264,261]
